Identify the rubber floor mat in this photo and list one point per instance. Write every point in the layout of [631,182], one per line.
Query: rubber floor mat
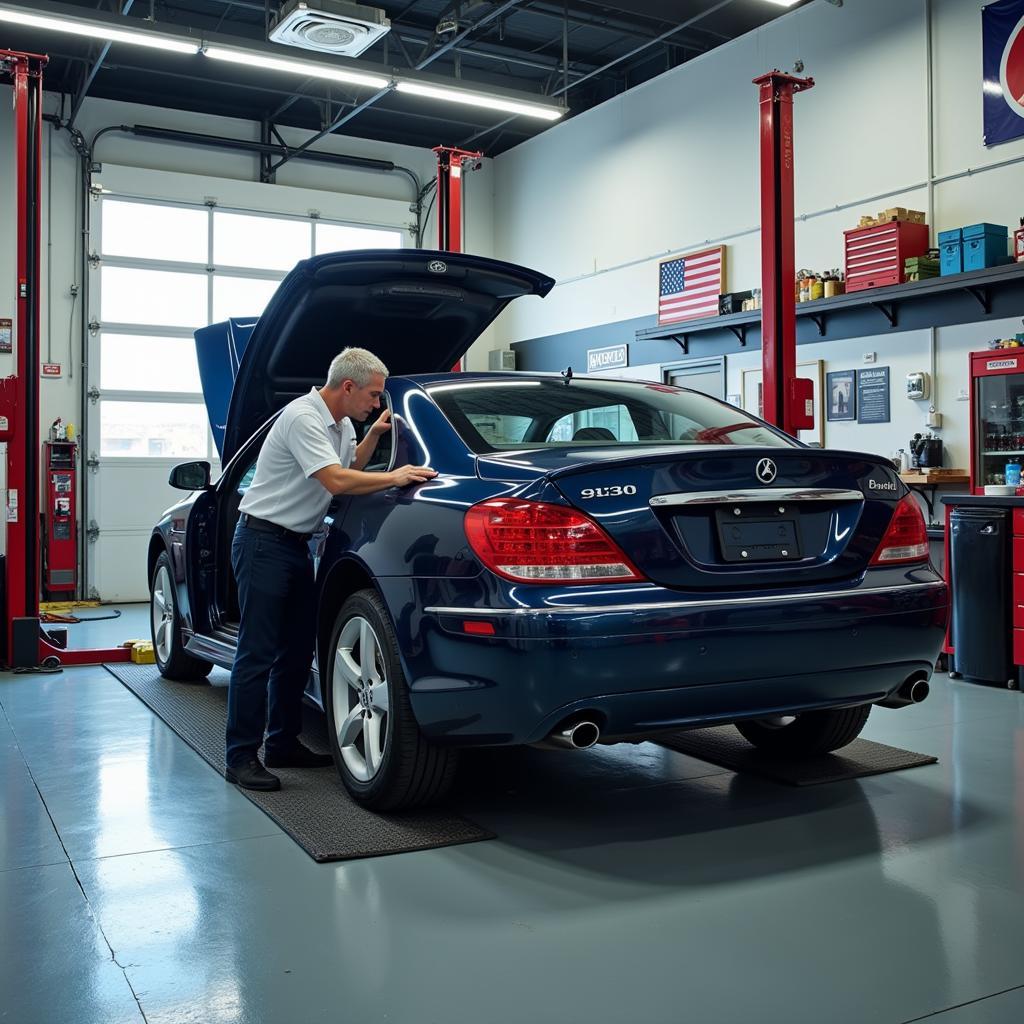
[724,746]
[313,806]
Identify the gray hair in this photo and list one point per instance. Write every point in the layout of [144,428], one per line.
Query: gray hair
[354,364]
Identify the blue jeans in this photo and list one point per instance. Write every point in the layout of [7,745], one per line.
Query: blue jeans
[277,600]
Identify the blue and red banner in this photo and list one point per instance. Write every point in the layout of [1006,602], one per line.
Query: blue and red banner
[1002,41]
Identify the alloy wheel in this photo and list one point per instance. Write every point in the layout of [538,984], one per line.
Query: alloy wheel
[359,695]
[162,612]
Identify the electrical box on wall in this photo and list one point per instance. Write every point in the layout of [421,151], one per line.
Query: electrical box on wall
[917,385]
[501,360]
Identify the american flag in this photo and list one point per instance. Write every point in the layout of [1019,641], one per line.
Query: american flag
[690,286]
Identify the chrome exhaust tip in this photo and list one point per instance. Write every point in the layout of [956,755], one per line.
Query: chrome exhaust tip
[912,691]
[576,735]
[918,690]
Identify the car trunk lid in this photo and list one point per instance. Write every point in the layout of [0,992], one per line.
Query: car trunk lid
[732,517]
[418,311]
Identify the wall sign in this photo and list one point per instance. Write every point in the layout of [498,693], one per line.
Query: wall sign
[1002,43]
[6,335]
[614,357]
[873,395]
[842,395]
[50,370]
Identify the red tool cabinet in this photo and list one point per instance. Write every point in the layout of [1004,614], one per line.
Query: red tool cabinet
[875,255]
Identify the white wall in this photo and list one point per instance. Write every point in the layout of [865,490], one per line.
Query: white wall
[668,166]
[194,173]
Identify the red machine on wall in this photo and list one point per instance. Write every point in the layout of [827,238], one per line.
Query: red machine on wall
[997,415]
[60,497]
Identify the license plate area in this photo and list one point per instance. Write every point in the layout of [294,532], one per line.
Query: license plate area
[759,533]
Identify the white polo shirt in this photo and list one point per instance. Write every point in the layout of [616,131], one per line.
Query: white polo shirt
[303,440]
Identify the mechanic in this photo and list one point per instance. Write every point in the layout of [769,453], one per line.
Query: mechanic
[309,455]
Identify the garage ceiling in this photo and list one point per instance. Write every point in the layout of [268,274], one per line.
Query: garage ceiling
[516,44]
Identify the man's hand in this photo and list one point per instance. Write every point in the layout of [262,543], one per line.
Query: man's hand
[382,424]
[404,476]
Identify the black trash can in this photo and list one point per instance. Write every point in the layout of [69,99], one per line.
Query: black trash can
[980,553]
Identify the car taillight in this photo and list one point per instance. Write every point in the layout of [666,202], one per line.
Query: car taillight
[537,542]
[906,540]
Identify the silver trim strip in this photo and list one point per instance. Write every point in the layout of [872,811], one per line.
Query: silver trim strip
[760,494]
[685,605]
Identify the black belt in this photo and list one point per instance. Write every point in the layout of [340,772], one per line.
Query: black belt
[266,526]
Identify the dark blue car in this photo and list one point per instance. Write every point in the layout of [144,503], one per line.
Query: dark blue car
[597,560]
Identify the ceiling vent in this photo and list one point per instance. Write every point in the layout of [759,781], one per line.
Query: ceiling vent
[329,26]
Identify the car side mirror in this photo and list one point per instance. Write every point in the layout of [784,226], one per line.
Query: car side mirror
[190,476]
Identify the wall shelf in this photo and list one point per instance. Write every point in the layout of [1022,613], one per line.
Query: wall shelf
[997,292]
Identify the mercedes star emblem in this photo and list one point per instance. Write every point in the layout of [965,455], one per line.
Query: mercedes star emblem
[766,471]
[437,267]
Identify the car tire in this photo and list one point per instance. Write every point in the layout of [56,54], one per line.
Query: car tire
[172,659]
[814,732]
[384,760]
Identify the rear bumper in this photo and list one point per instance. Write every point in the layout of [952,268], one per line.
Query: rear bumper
[659,662]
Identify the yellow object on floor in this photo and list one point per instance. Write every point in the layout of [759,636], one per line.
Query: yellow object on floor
[142,653]
[66,606]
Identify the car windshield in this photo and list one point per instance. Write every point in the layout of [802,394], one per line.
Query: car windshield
[512,414]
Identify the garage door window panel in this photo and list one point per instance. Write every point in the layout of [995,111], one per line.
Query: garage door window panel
[262,243]
[240,296]
[163,298]
[149,231]
[134,362]
[169,430]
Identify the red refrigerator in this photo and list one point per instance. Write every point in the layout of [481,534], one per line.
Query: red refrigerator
[997,415]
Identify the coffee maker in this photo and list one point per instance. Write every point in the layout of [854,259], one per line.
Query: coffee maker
[925,452]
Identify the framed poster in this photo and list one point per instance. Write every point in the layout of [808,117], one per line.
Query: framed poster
[1002,87]
[842,395]
[873,395]
[690,286]
[813,369]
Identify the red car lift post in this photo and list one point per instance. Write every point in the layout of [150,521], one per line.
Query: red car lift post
[788,402]
[449,199]
[20,394]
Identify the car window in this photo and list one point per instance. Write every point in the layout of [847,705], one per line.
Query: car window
[490,414]
[246,479]
[592,426]
[380,457]
[500,429]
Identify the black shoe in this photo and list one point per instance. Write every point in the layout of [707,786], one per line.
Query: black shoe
[298,757]
[252,775]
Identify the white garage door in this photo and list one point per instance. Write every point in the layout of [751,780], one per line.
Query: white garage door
[163,270]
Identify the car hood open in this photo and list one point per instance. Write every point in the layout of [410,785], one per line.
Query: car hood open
[419,311]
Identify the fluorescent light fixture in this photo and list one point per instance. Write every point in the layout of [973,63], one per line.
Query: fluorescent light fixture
[480,99]
[250,58]
[782,3]
[96,30]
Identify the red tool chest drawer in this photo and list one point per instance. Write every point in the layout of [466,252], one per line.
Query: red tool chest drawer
[1018,523]
[1018,590]
[875,255]
[1018,647]
[1018,554]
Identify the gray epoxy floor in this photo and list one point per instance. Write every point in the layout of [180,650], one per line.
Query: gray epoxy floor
[627,883]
